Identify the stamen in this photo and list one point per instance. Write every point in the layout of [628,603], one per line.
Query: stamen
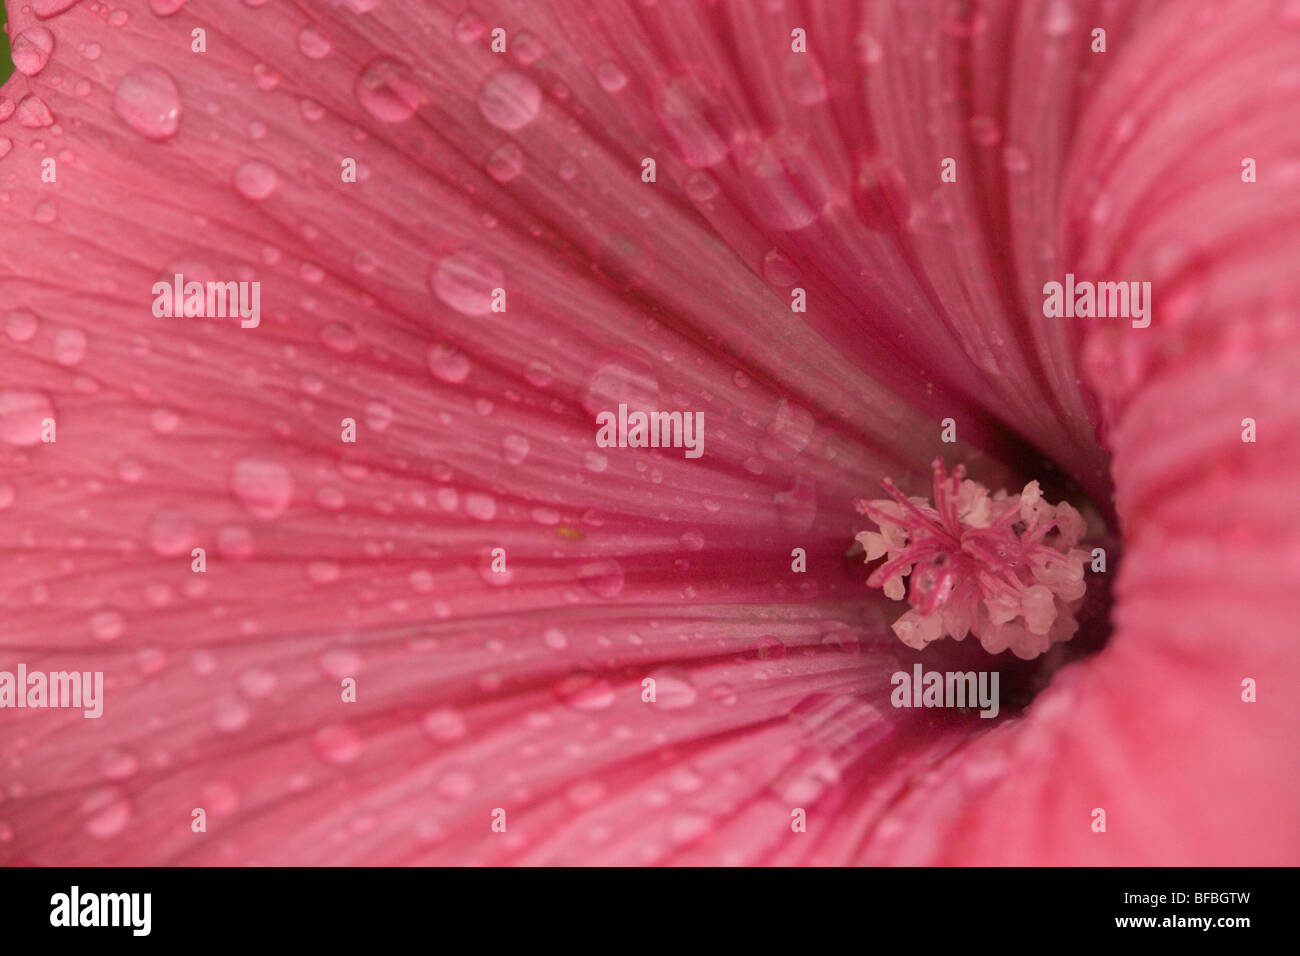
[979,563]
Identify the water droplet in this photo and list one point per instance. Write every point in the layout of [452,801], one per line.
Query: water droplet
[6,144]
[509,99]
[480,506]
[602,578]
[693,539]
[107,812]
[255,180]
[585,691]
[339,337]
[341,662]
[20,325]
[611,77]
[147,100]
[687,109]
[1058,18]
[804,80]
[387,89]
[769,648]
[465,280]
[444,725]
[106,625]
[263,487]
[1015,159]
[31,50]
[673,690]
[314,43]
[165,8]
[779,269]
[469,27]
[21,414]
[514,449]
[448,364]
[231,715]
[33,113]
[171,534]
[339,744]
[69,347]
[52,8]
[554,639]
[505,163]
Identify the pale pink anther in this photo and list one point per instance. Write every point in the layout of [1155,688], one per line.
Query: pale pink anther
[1003,567]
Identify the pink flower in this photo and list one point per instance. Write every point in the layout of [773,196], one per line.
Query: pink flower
[432,644]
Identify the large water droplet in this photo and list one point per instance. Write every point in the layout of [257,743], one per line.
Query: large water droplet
[165,8]
[147,100]
[31,50]
[509,99]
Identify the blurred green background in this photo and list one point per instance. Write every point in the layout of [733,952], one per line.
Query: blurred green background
[6,64]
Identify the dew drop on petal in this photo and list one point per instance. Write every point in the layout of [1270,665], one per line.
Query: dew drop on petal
[448,363]
[673,690]
[339,744]
[171,534]
[585,691]
[52,8]
[505,163]
[339,337]
[514,449]
[314,43]
[465,280]
[444,725]
[165,8]
[147,100]
[509,99]
[602,578]
[31,50]
[21,414]
[263,487]
[69,347]
[387,90]
[611,77]
[107,812]
[33,113]
[255,180]
[106,625]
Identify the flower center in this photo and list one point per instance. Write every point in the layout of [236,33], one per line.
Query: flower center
[1004,567]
